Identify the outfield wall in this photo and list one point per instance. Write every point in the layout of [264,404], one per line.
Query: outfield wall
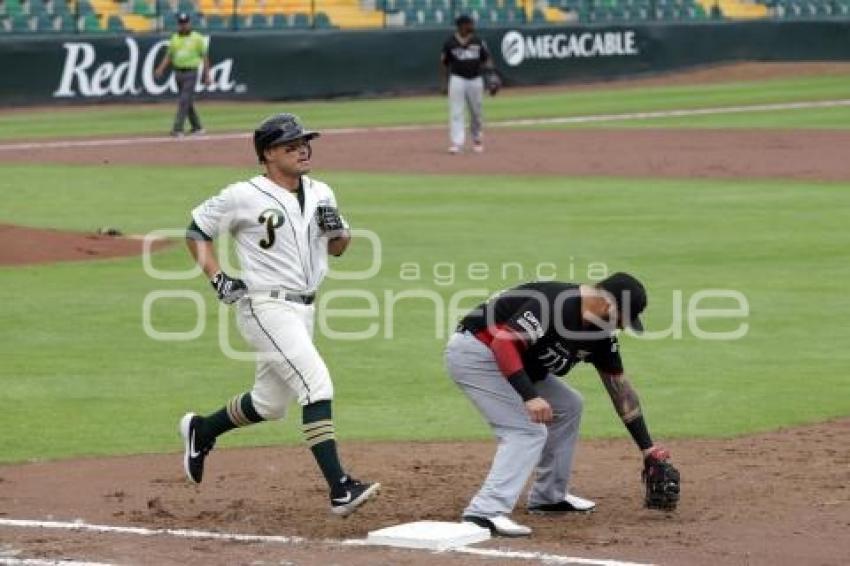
[328,63]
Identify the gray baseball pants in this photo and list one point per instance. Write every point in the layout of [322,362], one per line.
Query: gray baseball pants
[186,81]
[465,93]
[524,446]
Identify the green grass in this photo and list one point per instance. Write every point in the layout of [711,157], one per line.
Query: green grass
[118,120]
[80,377]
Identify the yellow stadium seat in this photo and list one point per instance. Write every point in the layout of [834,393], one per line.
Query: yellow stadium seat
[737,9]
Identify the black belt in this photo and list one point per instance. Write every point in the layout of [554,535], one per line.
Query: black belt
[306,299]
[185,70]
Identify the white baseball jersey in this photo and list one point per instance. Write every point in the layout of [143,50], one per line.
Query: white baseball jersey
[278,246]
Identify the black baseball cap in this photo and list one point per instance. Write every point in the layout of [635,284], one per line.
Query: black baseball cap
[630,296]
[464,19]
[183,18]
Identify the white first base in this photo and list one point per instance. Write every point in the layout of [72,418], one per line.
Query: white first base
[431,535]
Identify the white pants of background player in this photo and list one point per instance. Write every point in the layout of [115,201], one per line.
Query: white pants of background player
[289,368]
[465,93]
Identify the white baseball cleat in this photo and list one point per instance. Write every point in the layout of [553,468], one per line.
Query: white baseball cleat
[454,150]
[500,525]
[478,148]
[570,504]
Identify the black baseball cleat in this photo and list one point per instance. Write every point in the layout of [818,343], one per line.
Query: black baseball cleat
[193,452]
[570,504]
[350,494]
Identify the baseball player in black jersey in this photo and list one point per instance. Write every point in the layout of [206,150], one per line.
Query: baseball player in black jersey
[507,356]
[465,58]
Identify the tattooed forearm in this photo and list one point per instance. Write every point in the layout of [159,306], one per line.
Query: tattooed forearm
[623,396]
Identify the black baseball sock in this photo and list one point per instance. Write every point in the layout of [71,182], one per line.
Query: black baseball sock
[319,433]
[238,412]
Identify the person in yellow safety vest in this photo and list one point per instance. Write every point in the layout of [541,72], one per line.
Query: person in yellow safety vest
[187,50]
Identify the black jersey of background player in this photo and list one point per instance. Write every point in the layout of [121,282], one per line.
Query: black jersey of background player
[465,59]
[531,310]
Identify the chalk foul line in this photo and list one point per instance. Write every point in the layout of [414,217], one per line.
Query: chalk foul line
[277,539]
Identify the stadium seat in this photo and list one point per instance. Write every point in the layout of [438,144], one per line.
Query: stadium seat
[57,7]
[217,23]
[258,21]
[89,22]
[45,23]
[34,7]
[300,20]
[12,8]
[279,21]
[143,8]
[322,21]
[67,23]
[21,23]
[115,24]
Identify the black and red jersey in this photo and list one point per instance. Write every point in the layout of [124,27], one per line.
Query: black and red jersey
[546,319]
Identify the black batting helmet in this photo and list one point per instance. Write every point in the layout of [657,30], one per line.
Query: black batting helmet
[279,129]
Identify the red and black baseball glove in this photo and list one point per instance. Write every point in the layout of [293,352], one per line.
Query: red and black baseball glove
[661,480]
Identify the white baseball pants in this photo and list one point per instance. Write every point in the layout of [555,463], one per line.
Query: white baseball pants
[465,93]
[289,368]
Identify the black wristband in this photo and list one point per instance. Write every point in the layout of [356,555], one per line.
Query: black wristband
[637,428]
[523,385]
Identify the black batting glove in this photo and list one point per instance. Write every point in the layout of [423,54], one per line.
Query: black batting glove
[329,220]
[229,289]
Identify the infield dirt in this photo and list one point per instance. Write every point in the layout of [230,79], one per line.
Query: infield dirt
[780,498]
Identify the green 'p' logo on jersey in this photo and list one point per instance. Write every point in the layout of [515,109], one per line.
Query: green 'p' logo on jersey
[273,218]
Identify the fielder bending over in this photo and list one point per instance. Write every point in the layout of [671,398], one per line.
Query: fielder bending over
[507,356]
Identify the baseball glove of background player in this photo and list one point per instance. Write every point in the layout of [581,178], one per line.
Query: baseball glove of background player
[661,479]
[492,81]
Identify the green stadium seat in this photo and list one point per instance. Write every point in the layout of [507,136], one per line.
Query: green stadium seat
[300,20]
[12,8]
[61,7]
[21,22]
[279,21]
[143,8]
[218,23]
[45,23]
[34,7]
[90,22]
[323,21]
[115,24]
[258,21]
[67,23]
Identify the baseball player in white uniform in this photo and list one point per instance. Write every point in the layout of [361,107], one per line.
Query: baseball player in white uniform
[284,225]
